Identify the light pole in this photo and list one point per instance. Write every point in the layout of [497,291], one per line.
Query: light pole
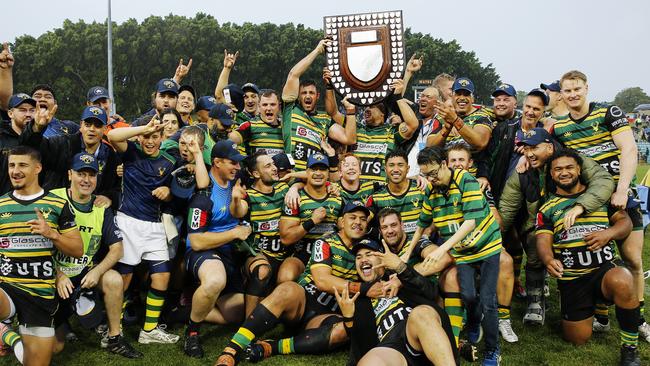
[110,59]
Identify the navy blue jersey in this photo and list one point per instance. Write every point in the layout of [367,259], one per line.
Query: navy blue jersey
[210,210]
[143,174]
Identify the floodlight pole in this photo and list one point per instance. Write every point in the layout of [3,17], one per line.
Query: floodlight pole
[110,59]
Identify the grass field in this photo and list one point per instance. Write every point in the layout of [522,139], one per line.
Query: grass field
[537,345]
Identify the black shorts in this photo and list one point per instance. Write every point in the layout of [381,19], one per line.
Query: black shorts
[578,298]
[396,339]
[637,218]
[32,311]
[232,262]
[317,303]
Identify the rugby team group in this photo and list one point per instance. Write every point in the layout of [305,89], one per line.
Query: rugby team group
[398,230]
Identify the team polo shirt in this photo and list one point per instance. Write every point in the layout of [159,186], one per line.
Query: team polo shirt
[264,211]
[329,252]
[209,211]
[257,135]
[303,132]
[333,206]
[462,201]
[408,204]
[98,231]
[26,259]
[373,143]
[569,246]
[143,174]
[592,135]
[362,194]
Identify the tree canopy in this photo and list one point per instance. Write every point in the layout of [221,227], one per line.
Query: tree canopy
[629,98]
[73,58]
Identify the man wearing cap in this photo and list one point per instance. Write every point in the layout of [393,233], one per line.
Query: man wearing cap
[46,100]
[203,106]
[58,151]
[303,127]
[145,186]
[165,96]
[98,96]
[316,213]
[602,132]
[529,188]
[504,103]
[262,133]
[102,249]
[186,103]
[556,106]
[211,256]
[34,224]
[408,328]
[22,109]
[251,93]
[221,121]
[284,163]
[310,302]
[462,120]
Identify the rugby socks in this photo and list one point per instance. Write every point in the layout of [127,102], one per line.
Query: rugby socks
[310,341]
[260,321]
[641,312]
[12,339]
[153,307]
[454,309]
[517,259]
[602,313]
[628,321]
[504,312]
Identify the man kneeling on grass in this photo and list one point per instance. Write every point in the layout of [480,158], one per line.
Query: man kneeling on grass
[396,330]
[309,304]
[581,257]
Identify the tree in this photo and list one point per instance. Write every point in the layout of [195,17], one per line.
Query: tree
[73,58]
[629,98]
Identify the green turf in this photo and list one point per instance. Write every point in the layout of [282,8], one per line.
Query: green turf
[537,345]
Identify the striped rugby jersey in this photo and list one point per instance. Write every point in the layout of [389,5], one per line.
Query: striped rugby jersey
[462,201]
[303,132]
[408,204]
[264,211]
[257,135]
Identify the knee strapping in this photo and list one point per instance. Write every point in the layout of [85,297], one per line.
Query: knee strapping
[257,286]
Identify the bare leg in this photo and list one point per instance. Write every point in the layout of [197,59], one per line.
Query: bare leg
[424,332]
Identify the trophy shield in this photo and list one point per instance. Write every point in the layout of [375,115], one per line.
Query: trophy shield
[366,54]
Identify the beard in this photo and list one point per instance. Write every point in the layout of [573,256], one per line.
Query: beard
[568,186]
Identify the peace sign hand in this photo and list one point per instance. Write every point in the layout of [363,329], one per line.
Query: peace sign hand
[346,303]
[387,259]
[40,226]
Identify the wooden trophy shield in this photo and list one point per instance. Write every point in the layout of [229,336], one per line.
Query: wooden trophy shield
[366,55]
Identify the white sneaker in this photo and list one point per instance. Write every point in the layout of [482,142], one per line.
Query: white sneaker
[644,331]
[599,327]
[157,335]
[508,334]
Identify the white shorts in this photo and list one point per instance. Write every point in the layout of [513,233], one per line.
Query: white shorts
[142,240]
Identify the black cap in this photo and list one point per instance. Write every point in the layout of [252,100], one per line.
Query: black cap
[355,206]
[236,96]
[97,92]
[535,137]
[226,149]
[252,87]
[85,303]
[282,161]
[367,244]
[205,103]
[540,93]
[167,86]
[223,113]
[188,88]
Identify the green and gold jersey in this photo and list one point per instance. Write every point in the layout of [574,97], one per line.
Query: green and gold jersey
[569,246]
[592,135]
[362,194]
[462,201]
[257,135]
[303,132]
[331,252]
[333,206]
[264,211]
[373,143]
[408,204]
[26,259]
[389,312]
[97,227]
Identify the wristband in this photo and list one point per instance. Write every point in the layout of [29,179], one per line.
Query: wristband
[329,86]
[401,268]
[333,161]
[308,225]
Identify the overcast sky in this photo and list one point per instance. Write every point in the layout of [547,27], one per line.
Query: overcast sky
[527,41]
